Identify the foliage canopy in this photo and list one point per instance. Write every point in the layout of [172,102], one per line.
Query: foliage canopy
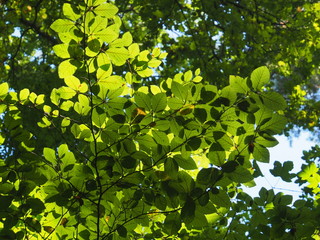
[115,154]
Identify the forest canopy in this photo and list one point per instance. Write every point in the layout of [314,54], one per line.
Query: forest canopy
[145,119]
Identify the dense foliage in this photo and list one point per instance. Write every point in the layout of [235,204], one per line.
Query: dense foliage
[126,147]
[221,37]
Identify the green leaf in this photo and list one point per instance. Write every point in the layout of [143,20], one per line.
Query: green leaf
[6,187]
[184,183]
[179,91]
[71,11]
[93,48]
[36,205]
[134,50]
[217,158]
[228,95]
[94,2]
[159,102]
[81,131]
[285,200]
[220,198]
[146,141]
[113,82]
[171,167]
[99,117]
[104,64]
[64,93]
[135,178]
[260,77]
[72,82]
[160,137]
[62,25]
[160,202]
[96,24]
[282,170]
[91,185]
[175,103]
[107,34]
[200,114]
[239,84]
[23,94]
[128,162]
[226,142]
[118,56]
[229,166]
[194,143]
[107,10]
[273,101]
[266,140]
[61,50]
[240,175]
[204,200]
[122,231]
[83,105]
[185,163]
[50,155]
[67,68]
[208,93]
[4,89]
[143,100]
[275,125]
[188,210]
[26,187]
[187,76]
[127,39]
[144,71]
[229,116]
[309,171]
[33,224]
[261,153]
[208,176]
[62,150]
[172,223]
[197,79]
[119,118]
[154,63]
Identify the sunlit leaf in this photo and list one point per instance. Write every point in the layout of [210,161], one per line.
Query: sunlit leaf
[107,10]
[118,56]
[259,77]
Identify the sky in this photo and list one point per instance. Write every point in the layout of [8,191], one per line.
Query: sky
[284,151]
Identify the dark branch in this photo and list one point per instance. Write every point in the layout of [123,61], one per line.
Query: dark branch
[32,26]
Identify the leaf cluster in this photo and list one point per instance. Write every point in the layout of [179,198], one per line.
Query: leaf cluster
[135,160]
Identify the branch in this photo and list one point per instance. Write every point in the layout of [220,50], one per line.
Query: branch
[32,26]
[200,56]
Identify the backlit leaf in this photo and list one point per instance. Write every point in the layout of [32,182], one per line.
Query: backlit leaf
[118,56]
[71,11]
[273,101]
[260,77]
[4,88]
[107,10]
[261,153]
[62,25]
[50,155]
[159,102]
[67,68]
[275,125]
